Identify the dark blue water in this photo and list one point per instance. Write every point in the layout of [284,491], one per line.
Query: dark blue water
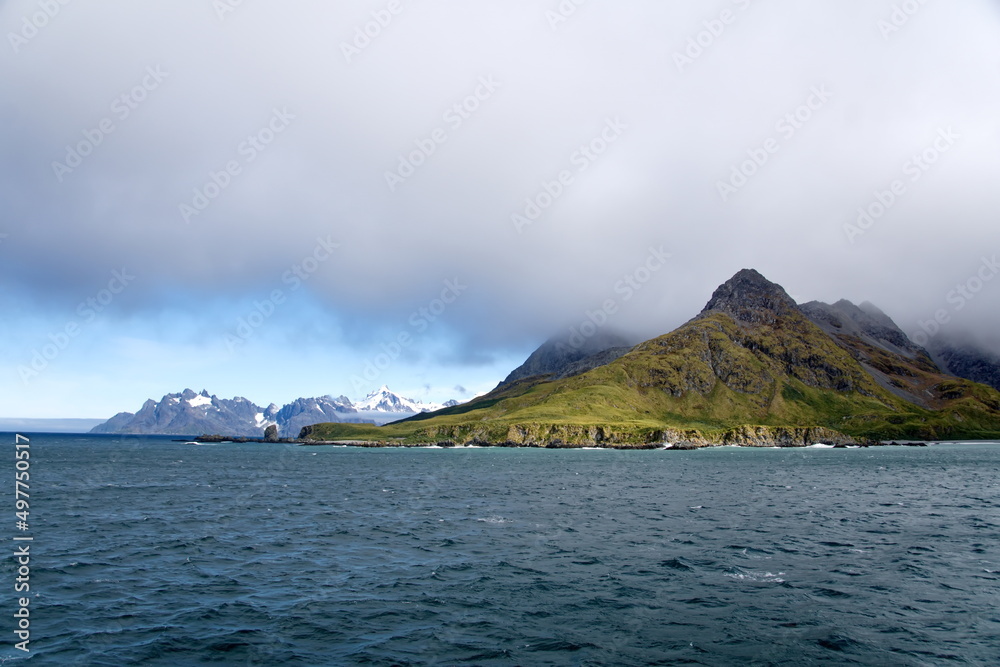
[154,552]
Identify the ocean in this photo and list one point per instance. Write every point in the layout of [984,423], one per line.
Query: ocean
[149,551]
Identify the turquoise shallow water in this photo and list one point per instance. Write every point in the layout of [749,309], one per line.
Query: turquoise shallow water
[155,552]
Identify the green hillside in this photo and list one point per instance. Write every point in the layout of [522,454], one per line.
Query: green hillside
[751,369]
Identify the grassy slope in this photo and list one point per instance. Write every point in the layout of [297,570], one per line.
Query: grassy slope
[709,376]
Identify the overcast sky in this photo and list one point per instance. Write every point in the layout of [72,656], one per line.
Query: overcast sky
[259,199]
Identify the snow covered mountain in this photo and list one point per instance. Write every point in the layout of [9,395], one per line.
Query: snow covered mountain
[307,411]
[385,400]
[190,414]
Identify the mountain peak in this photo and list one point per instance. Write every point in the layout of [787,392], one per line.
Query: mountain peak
[750,274]
[747,295]
[385,400]
[568,355]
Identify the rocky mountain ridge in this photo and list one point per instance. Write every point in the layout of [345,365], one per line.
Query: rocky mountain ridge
[189,413]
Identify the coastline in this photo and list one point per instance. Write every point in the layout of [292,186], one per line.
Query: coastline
[448,444]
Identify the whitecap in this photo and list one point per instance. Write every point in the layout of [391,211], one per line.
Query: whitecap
[756,576]
[493,519]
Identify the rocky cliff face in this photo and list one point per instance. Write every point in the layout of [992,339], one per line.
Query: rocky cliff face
[558,436]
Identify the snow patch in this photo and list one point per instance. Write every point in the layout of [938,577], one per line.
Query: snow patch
[199,400]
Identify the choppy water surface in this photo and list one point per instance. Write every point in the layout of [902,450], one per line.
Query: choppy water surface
[152,551]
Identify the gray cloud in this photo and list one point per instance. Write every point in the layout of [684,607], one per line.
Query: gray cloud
[655,185]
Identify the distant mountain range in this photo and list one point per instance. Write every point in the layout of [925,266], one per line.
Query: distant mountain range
[189,413]
[753,368]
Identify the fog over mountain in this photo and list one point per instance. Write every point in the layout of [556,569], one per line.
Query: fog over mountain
[278,201]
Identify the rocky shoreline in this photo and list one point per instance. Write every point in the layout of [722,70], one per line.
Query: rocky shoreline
[682,445]
[646,446]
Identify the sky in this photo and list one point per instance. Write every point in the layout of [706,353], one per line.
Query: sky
[275,200]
